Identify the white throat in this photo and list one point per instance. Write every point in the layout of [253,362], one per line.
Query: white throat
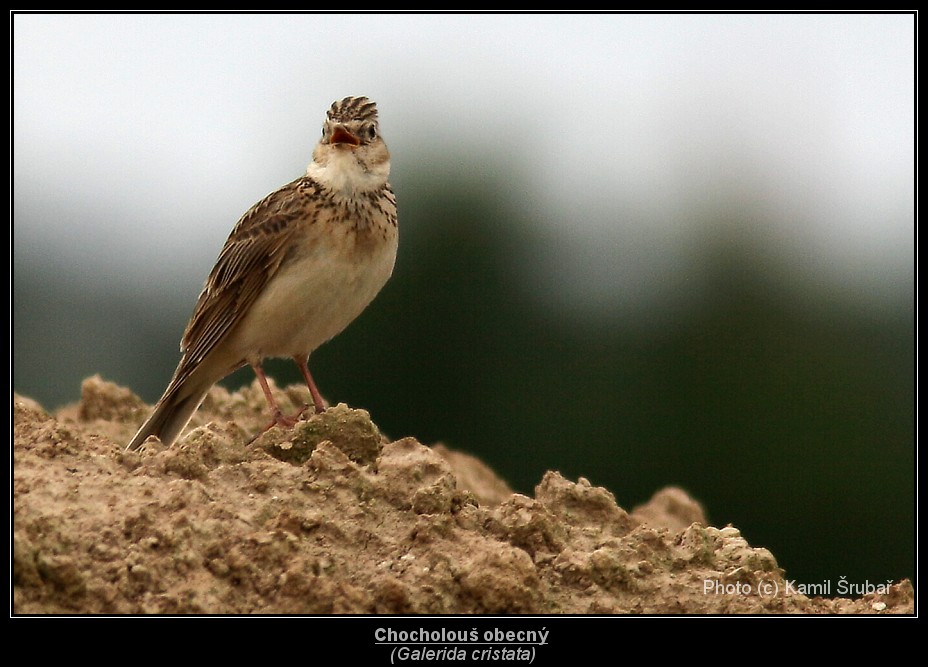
[344,174]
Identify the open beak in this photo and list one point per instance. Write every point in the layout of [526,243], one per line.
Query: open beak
[342,136]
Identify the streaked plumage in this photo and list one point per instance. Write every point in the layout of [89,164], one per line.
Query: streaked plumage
[299,266]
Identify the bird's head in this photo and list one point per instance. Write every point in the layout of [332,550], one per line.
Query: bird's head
[351,156]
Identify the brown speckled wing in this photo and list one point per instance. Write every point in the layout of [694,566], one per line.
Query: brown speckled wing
[252,254]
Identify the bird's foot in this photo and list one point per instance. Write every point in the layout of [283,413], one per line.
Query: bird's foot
[279,419]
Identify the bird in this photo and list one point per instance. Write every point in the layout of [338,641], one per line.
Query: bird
[298,267]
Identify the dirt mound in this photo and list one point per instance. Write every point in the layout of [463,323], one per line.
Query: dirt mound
[332,517]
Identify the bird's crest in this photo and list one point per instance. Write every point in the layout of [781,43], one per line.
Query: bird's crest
[352,108]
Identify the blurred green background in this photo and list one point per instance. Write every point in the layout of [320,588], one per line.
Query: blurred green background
[678,291]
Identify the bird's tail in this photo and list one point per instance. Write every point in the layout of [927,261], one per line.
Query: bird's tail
[171,414]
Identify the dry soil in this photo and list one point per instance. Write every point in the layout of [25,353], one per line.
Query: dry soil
[333,517]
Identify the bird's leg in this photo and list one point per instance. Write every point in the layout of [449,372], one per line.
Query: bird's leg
[318,403]
[278,418]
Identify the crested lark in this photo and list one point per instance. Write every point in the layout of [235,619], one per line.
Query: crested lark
[298,267]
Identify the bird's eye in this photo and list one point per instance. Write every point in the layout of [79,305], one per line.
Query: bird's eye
[370,132]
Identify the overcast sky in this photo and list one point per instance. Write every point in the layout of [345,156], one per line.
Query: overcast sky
[144,137]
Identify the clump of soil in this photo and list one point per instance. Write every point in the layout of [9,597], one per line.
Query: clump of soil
[332,517]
